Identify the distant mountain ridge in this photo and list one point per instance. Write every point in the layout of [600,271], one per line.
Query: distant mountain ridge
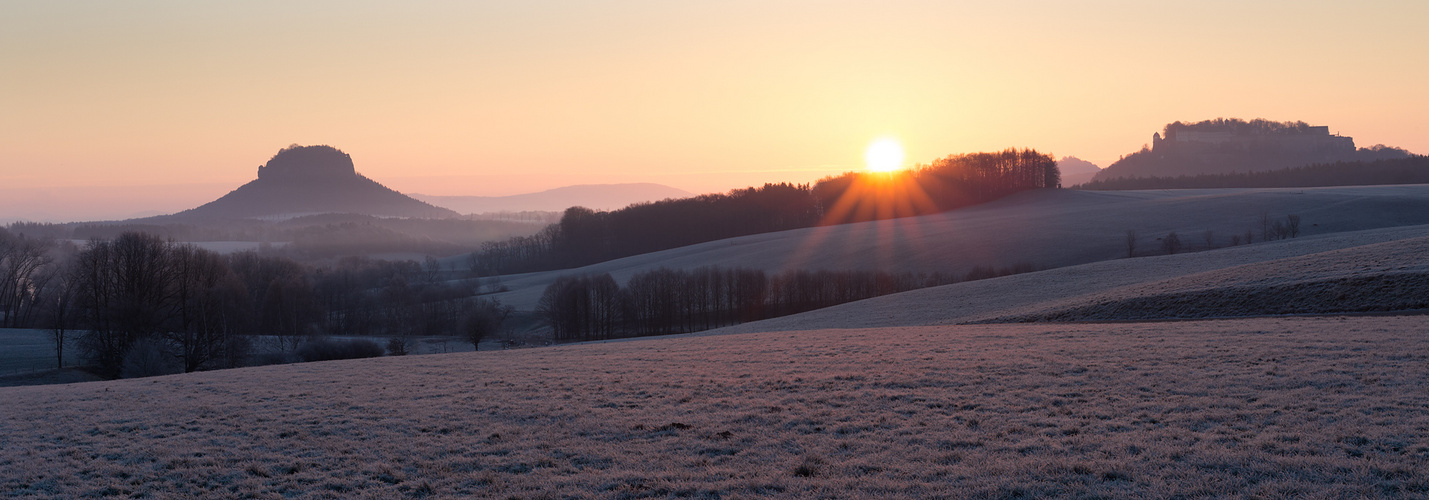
[1076,170]
[593,196]
[310,180]
[1223,146]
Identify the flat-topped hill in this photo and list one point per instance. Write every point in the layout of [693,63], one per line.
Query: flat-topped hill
[1224,146]
[308,180]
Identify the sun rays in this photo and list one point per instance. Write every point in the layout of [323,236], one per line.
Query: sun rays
[883,201]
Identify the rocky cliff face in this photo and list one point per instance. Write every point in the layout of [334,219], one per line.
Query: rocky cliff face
[307,163]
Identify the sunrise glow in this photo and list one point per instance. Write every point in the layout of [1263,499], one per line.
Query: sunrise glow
[884,155]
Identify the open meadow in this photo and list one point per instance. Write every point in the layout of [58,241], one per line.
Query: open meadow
[1271,407]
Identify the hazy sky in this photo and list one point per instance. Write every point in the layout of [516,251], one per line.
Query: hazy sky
[494,98]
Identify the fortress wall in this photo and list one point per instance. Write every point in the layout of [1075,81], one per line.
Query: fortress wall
[1315,142]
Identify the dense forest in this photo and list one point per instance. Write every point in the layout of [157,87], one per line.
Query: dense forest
[139,298]
[585,236]
[1412,170]
[1240,127]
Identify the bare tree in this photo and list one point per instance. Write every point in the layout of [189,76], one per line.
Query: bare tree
[483,321]
[431,270]
[473,264]
[1210,237]
[124,295]
[283,300]
[59,314]
[1265,233]
[209,300]
[1279,230]
[1130,242]
[23,265]
[401,345]
[288,311]
[492,285]
[1292,223]
[582,307]
[1235,239]
[1171,243]
[147,357]
[1249,236]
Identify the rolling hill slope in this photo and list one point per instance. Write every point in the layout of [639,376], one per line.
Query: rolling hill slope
[1046,228]
[1118,289]
[872,399]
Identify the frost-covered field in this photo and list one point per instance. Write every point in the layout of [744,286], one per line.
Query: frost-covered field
[1388,276]
[1290,407]
[25,351]
[1048,228]
[1240,273]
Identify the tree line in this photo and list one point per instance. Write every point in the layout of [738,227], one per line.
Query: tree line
[200,310]
[1239,126]
[323,237]
[1271,229]
[584,236]
[665,301]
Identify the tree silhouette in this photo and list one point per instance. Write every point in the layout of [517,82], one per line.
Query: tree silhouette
[1171,243]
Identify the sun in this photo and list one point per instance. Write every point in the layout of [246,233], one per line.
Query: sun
[884,155]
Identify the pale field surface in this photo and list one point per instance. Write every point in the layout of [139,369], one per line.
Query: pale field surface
[48,377]
[1240,271]
[1389,276]
[430,345]
[24,351]
[1326,407]
[1045,228]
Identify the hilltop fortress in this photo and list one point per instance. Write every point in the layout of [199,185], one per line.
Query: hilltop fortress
[1232,145]
[1223,135]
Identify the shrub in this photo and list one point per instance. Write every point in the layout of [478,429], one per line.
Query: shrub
[399,346]
[268,358]
[328,350]
[811,467]
[146,358]
[1172,243]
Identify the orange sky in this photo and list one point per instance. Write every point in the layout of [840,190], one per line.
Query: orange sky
[489,98]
